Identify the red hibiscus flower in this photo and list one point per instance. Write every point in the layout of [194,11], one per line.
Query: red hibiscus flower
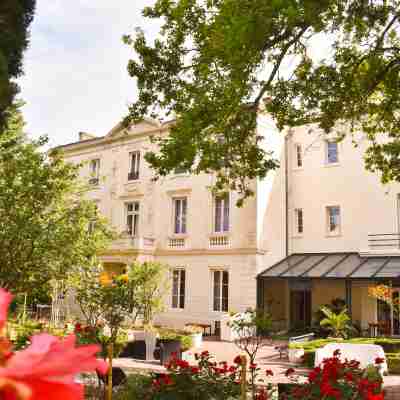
[238,360]
[253,366]
[269,372]
[289,371]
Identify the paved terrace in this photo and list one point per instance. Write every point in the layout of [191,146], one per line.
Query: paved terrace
[267,358]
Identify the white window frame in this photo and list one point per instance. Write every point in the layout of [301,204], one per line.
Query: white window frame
[329,219]
[223,226]
[135,217]
[327,161]
[298,221]
[298,159]
[181,272]
[179,221]
[134,165]
[217,299]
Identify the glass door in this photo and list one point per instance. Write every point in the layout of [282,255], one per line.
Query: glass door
[300,309]
[388,317]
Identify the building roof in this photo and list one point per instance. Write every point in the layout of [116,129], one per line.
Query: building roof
[334,266]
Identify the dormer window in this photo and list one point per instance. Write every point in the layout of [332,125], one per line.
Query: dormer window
[94,168]
[134,167]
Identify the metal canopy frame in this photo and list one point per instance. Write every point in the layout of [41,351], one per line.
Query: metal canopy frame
[358,268]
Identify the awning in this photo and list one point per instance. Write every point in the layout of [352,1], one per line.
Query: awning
[334,266]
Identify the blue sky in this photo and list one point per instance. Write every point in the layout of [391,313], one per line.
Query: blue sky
[75,69]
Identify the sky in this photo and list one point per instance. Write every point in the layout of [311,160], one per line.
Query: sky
[75,68]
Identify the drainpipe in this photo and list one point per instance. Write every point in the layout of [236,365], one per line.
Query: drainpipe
[287,137]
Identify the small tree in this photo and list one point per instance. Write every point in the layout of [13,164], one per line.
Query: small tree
[337,324]
[251,328]
[151,284]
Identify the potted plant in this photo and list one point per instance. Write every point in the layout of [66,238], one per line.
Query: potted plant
[196,335]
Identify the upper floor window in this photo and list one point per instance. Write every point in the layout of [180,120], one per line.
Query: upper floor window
[94,169]
[178,288]
[221,214]
[134,167]
[332,152]
[180,212]
[333,220]
[299,222]
[298,155]
[132,218]
[92,222]
[220,290]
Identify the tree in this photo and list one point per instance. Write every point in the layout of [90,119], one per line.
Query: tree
[15,19]
[218,63]
[44,217]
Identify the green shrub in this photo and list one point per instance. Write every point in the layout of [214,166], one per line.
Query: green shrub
[389,345]
[393,360]
[172,334]
[136,387]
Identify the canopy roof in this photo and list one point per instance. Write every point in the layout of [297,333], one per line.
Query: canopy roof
[334,266]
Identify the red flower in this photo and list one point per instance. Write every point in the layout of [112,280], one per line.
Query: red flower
[5,300]
[349,377]
[378,396]
[194,370]
[238,360]
[269,372]
[167,380]
[204,354]
[289,372]
[182,364]
[379,360]
[252,366]
[78,327]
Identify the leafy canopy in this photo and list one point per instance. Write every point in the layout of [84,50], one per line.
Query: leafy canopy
[217,63]
[15,19]
[44,218]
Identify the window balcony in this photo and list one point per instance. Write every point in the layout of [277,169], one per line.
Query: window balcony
[219,241]
[128,242]
[177,243]
[383,243]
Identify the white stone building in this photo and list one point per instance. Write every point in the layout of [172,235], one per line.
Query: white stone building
[319,228]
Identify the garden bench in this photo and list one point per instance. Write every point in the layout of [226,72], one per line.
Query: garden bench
[284,349]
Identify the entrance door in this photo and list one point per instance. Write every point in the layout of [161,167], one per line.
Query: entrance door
[300,308]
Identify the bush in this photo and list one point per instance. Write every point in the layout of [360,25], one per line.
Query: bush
[136,387]
[183,336]
[393,360]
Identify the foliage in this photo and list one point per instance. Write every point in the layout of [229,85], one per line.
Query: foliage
[15,18]
[216,64]
[336,305]
[44,217]
[337,324]
[385,293]
[173,334]
[45,369]
[337,379]
[135,388]
[151,283]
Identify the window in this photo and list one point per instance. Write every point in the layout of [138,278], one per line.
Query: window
[299,226]
[221,214]
[180,211]
[333,219]
[299,156]
[220,290]
[134,167]
[178,288]
[94,169]
[132,218]
[332,156]
[92,222]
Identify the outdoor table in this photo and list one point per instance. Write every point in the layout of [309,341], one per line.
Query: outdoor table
[205,327]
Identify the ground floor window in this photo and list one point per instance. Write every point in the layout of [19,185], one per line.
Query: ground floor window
[220,290]
[178,288]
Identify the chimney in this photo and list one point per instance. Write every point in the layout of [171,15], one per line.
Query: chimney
[86,136]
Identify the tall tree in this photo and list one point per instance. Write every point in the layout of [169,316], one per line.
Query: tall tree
[44,219]
[15,18]
[217,63]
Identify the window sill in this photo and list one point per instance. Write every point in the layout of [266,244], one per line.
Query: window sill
[298,236]
[176,310]
[297,169]
[178,236]
[133,181]
[331,165]
[333,235]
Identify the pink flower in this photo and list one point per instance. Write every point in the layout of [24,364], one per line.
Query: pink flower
[47,368]
[5,300]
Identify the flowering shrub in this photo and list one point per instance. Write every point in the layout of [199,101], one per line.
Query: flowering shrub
[339,380]
[46,369]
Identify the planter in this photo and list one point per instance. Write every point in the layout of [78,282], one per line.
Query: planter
[168,348]
[197,339]
[296,355]
[150,339]
[230,335]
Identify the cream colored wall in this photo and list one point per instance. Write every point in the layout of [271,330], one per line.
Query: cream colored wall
[324,291]
[156,221]
[275,301]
